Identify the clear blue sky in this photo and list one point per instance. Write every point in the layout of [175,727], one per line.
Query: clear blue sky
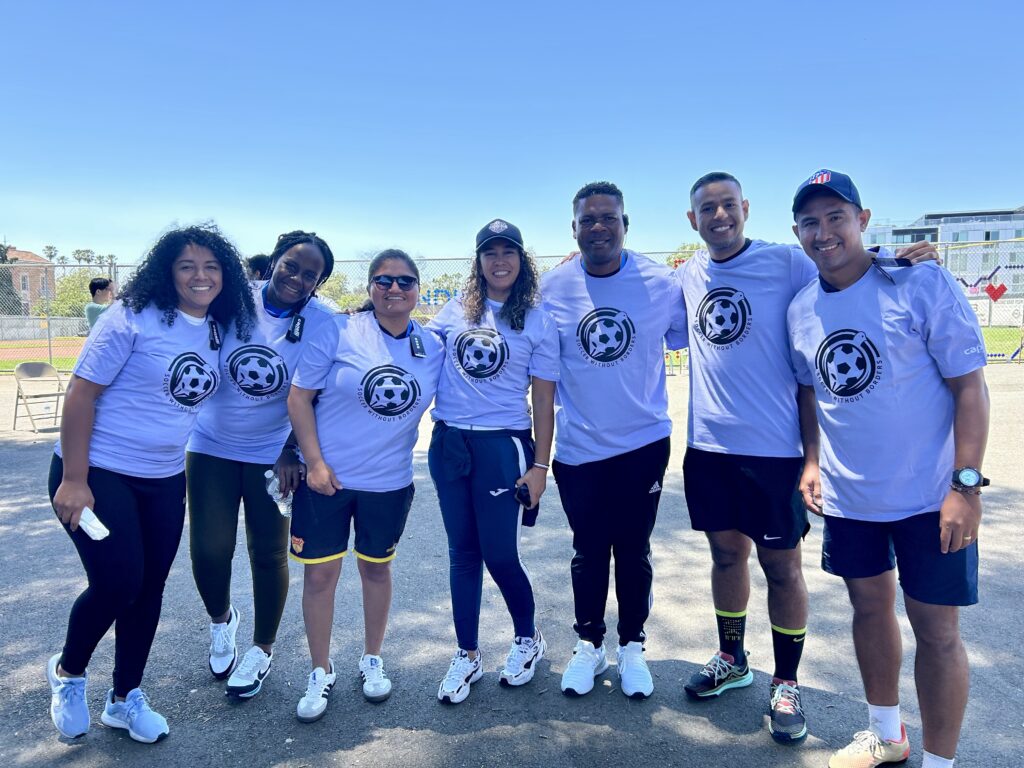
[413,124]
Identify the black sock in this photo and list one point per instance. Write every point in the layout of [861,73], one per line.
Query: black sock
[789,646]
[731,626]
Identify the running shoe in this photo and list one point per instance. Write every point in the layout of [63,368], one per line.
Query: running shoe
[786,721]
[136,716]
[247,679]
[462,673]
[719,675]
[521,662]
[587,662]
[868,750]
[69,709]
[223,653]
[634,676]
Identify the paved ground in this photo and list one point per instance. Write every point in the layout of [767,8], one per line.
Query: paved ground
[532,726]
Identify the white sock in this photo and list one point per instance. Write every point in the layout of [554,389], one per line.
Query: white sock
[885,721]
[934,761]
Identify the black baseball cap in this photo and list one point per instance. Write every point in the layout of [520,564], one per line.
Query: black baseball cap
[839,183]
[499,229]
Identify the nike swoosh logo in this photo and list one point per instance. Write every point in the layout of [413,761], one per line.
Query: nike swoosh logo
[771,538]
[499,492]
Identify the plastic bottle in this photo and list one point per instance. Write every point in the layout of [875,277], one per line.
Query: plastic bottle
[284,503]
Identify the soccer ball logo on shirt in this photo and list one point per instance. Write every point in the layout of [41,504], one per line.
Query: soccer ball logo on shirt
[389,392]
[848,364]
[256,371]
[189,380]
[723,316]
[480,353]
[605,336]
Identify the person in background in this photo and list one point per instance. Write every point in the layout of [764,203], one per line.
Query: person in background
[259,266]
[373,374]
[499,346]
[147,368]
[102,291]
[240,434]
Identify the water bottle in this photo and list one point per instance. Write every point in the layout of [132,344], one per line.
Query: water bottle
[284,503]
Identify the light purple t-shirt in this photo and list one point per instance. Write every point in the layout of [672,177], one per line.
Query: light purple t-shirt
[247,419]
[612,334]
[877,354]
[488,366]
[157,377]
[742,385]
[373,393]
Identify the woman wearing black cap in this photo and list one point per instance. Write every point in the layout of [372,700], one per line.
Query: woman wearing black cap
[488,472]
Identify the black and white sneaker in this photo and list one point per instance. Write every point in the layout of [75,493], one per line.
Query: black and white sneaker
[247,679]
[462,673]
[223,653]
[521,662]
[313,704]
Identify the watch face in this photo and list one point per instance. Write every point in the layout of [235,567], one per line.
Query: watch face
[969,477]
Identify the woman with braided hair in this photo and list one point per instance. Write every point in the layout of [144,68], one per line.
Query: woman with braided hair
[243,433]
[148,366]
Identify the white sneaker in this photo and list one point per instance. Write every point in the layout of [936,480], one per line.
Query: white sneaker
[247,679]
[223,653]
[462,673]
[587,662]
[521,662]
[634,676]
[376,685]
[313,705]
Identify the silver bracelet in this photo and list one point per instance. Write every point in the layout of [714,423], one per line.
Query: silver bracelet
[542,466]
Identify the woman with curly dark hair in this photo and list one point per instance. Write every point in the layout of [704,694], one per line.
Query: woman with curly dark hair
[241,436]
[489,473]
[117,479]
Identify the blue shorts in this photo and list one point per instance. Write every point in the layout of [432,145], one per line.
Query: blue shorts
[860,549]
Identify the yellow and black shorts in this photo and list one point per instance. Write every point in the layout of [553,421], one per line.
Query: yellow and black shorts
[321,524]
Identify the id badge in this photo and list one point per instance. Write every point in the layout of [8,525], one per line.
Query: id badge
[416,345]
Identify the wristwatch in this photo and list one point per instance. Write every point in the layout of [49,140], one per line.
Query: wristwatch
[969,480]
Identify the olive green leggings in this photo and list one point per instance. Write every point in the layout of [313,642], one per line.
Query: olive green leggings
[215,488]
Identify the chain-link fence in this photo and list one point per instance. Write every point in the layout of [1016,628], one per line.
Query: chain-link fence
[42,305]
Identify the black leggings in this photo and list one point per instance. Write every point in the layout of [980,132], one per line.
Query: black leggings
[126,571]
[215,489]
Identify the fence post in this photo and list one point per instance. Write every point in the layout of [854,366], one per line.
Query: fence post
[49,339]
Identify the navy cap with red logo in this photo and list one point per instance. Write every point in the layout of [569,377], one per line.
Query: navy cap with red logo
[499,229]
[838,183]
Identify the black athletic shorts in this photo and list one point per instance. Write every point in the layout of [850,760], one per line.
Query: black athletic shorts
[755,495]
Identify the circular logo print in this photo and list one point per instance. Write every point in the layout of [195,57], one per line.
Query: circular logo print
[481,352]
[723,315]
[257,371]
[606,334]
[191,380]
[847,362]
[389,391]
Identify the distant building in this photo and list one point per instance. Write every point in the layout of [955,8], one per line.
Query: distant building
[32,276]
[955,227]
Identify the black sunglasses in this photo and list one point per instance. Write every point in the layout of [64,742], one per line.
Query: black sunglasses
[384,282]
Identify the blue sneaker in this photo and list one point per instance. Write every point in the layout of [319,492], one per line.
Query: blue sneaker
[134,713]
[68,707]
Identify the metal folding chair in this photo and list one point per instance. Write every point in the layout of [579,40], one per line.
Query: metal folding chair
[39,385]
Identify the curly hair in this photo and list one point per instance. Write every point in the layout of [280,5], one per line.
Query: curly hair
[289,240]
[153,283]
[522,298]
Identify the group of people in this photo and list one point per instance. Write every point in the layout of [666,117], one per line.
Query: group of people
[800,361]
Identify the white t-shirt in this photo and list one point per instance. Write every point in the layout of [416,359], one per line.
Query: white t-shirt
[247,420]
[156,378]
[742,385]
[487,367]
[877,354]
[373,393]
[612,333]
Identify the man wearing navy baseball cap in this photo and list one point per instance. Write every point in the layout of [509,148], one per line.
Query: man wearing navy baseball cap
[894,359]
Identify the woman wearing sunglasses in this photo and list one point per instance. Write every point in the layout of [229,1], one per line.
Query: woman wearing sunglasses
[241,434]
[482,455]
[372,374]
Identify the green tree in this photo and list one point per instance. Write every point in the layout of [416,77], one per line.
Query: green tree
[10,300]
[443,287]
[50,252]
[338,291]
[72,293]
[682,253]
[84,255]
